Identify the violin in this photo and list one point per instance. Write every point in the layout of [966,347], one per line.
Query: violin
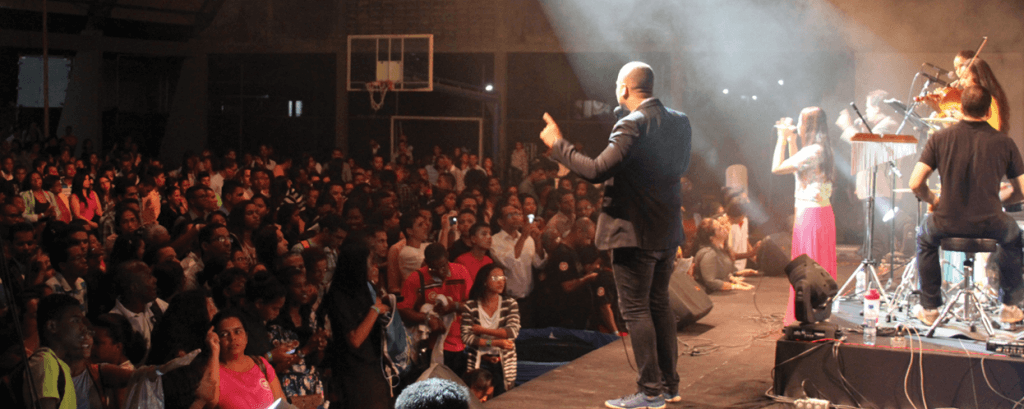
[945,101]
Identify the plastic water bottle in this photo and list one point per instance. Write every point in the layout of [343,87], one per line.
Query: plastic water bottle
[862,281]
[871,302]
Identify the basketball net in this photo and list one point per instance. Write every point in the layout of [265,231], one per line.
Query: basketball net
[378,88]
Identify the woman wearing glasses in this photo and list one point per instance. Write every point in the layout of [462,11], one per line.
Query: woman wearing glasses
[490,324]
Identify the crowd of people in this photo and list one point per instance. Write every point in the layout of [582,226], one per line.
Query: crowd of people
[280,270]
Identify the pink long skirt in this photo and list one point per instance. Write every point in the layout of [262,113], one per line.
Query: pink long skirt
[814,233]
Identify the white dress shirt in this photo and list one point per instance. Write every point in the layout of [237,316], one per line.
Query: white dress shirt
[520,275]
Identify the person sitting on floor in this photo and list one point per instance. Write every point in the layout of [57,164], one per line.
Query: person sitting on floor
[713,268]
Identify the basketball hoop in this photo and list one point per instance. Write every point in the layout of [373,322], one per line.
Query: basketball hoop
[378,88]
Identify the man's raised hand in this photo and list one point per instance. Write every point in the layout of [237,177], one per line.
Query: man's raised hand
[550,134]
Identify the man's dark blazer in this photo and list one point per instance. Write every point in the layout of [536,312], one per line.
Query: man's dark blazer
[648,152]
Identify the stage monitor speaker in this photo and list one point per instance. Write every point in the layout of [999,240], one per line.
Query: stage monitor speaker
[773,257]
[687,299]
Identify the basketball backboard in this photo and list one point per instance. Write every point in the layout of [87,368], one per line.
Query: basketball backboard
[407,60]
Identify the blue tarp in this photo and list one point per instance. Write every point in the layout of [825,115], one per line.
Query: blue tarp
[540,350]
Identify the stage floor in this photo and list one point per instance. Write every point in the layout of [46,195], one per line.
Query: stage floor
[726,358]
[733,353]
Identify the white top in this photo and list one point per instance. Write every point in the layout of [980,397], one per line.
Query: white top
[812,186]
[143,322]
[739,240]
[192,266]
[489,322]
[217,183]
[520,275]
[411,259]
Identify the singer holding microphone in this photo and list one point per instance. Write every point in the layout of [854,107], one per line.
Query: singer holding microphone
[647,153]
[810,159]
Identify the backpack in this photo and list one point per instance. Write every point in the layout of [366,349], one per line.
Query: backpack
[397,359]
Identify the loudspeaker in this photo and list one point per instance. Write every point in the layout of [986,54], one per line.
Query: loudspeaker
[687,299]
[772,257]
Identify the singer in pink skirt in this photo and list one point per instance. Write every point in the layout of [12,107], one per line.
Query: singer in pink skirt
[809,152]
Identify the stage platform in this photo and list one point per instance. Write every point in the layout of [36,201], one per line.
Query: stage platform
[727,361]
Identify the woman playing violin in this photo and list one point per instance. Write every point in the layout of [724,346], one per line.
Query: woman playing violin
[981,74]
[946,101]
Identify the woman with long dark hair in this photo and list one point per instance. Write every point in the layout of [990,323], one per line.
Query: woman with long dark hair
[242,224]
[981,74]
[84,203]
[810,160]
[354,309]
[490,325]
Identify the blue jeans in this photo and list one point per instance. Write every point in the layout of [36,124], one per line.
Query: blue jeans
[642,278]
[1003,229]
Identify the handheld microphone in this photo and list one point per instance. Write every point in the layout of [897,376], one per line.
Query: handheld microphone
[619,112]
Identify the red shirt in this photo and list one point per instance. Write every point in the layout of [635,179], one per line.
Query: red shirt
[472,264]
[455,287]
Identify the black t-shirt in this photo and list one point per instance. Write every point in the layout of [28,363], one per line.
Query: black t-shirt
[971,159]
[569,310]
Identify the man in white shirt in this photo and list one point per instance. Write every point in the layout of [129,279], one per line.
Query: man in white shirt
[227,172]
[519,252]
[138,301]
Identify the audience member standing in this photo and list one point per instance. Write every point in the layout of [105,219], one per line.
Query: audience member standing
[520,252]
[478,256]
[490,325]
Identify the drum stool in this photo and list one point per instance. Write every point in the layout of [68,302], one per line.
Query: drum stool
[971,302]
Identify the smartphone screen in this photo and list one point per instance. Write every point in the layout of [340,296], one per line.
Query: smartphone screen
[529,218]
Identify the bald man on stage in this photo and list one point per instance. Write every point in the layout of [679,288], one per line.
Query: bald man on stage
[640,222]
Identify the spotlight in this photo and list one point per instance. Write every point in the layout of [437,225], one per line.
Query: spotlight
[781,83]
[489,88]
[725,91]
[754,97]
[815,293]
